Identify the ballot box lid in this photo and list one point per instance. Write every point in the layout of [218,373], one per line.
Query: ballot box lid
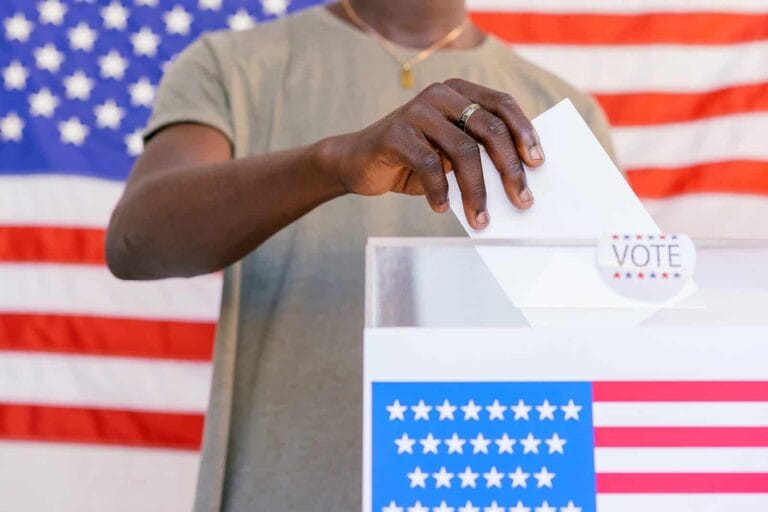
[452,282]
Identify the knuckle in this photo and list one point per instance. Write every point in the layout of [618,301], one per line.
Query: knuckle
[433,90]
[453,82]
[496,128]
[506,101]
[430,162]
[468,149]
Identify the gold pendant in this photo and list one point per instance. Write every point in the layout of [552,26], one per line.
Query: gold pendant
[406,77]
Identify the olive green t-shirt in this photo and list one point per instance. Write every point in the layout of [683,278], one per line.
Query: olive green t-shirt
[283,430]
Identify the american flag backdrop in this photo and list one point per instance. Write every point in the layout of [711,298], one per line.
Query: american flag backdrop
[103,384]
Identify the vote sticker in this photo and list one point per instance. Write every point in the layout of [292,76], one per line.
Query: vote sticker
[646,266]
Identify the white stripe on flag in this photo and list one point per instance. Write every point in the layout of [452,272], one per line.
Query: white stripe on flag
[680,414]
[681,460]
[618,7]
[104,382]
[644,68]
[45,477]
[682,502]
[92,290]
[54,200]
[734,137]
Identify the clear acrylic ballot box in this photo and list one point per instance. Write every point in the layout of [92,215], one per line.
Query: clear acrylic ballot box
[534,376]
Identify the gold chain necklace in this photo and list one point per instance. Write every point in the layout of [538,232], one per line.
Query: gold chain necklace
[406,66]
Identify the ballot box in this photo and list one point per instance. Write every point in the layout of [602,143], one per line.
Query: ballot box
[539,376]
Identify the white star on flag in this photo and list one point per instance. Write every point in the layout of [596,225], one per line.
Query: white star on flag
[468,478]
[505,444]
[72,131]
[148,3]
[18,28]
[82,37]
[519,478]
[442,478]
[570,508]
[396,411]
[446,410]
[469,507]
[48,58]
[142,93]
[78,86]
[418,478]
[15,76]
[571,410]
[134,143]
[51,12]
[544,478]
[493,478]
[555,444]
[546,411]
[392,507]
[520,508]
[496,411]
[405,444]
[145,42]
[421,411]
[109,115]
[455,444]
[443,508]
[11,127]
[113,65]
[471,411]
[494,507]
[115,16]
[430,444]
[521,410]
[530,444]
[211,5]
[177,21]
[545,507]
[274,7]
[43,103]
[480,443]
[241,20]
[418,507]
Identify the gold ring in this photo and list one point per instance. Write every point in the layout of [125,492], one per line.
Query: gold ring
[466,114]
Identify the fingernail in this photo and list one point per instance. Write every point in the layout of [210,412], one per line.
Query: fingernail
[537,153]
[443,207]
[526,196]
[482,218]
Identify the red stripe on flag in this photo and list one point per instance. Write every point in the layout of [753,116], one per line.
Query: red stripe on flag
[47,244]
[100,426]
[661,437]
[162,339]
[681,482]
[639,109]
[680,391]
[622,29]
[740,177]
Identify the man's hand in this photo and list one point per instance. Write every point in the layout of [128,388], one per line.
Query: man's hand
[410,150]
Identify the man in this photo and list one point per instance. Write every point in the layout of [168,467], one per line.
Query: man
[259,153]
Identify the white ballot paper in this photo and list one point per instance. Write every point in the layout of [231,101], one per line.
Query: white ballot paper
[578,194]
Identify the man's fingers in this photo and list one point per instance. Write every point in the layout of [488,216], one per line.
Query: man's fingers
[506,108]
[427,164]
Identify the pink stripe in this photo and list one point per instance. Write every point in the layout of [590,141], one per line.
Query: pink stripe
[682,482]
[660,437]
[680,391]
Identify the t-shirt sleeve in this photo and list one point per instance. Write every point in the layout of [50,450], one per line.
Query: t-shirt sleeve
[192,90]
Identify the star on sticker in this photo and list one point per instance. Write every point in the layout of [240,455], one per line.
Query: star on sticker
[177,21]
[545,507]
[11,127]
[396,411]
[480,444]
[493,478]
[496,411]
[505,444]
[241,20]
[546,411]
[571,410]
[430,444]
[555,444]
[211,5]
[115,16]
[455,444]
[471,411]
[544,478]
[405,444]
[421,411]
[15,76]
[142,93]
[443,508]
[48,58]
[493,507]
[530,444]
[519,508]
[468,478]
[109,115]
[51,12]
[43,103]
[519,478]
[72,131]
[78,86]
[82,37]
[418,478]
[134,143]
[469,507]
[113,65]
[392,507]
[274,7]
[418,507]
[442,478]
[18,28]
[521,410]
[446,410]
[145,42]
[570,508]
